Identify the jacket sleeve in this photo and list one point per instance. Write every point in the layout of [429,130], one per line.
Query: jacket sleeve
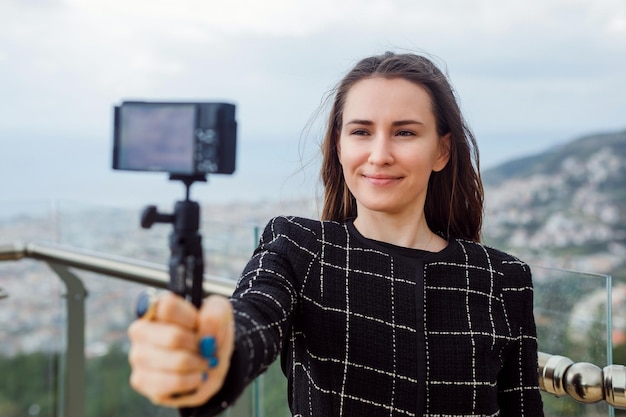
[518,381]
[263,304]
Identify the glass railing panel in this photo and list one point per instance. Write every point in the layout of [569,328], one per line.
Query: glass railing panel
[270,393]
[573,321]
[110,230]
[227,245]
[27,221]
[32,339]
[32,319]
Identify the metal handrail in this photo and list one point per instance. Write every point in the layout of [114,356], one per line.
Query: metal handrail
[145,273]
[558,375]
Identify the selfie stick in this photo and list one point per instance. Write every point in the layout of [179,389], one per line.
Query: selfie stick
[186,265]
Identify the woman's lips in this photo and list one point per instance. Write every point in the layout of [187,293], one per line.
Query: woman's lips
[380,179]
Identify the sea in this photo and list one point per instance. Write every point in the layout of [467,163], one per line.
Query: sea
[40,170]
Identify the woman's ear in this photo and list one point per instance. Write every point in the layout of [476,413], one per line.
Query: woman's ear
[444,153]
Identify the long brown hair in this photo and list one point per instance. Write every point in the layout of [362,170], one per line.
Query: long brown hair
[454,201]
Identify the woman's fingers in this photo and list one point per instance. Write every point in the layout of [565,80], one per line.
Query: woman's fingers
[170,308]
[164,335]
[171,324]
[168,388]
[149,356]
[216,327]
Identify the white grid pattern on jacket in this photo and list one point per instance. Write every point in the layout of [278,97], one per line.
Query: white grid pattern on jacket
[353,319]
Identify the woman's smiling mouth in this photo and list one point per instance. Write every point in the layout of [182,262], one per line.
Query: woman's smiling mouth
[378,179]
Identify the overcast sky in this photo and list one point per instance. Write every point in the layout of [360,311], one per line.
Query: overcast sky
[530,74]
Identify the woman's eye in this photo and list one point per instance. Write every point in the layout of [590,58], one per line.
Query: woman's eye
[405,133]
[359,132]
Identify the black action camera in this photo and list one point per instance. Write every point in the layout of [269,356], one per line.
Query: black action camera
[183,139]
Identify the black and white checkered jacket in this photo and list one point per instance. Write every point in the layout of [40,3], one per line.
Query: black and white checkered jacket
[366,328]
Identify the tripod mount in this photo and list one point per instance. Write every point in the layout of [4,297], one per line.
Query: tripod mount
[186,263]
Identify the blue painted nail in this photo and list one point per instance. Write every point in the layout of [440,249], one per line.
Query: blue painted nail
[213,361]
[207,347]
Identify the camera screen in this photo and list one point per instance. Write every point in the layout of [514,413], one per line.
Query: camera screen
[156,137]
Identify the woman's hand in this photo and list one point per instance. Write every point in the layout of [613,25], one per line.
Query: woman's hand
[181,356]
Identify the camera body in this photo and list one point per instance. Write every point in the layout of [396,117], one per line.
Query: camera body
[181,138]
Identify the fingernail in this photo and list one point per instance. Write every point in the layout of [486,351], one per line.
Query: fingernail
[207,347]
[213,361]
[205,376]
[146,304]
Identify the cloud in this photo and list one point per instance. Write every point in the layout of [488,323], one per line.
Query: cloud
[617,27]
[70,61]
[527,73]
[235,17]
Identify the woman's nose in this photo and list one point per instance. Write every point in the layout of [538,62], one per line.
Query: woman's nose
[380,151]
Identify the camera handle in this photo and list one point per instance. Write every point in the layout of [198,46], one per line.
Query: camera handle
[186,263]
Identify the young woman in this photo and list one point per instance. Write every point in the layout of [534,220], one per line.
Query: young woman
[389,305]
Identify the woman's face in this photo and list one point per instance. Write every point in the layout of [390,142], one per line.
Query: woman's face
[388,145]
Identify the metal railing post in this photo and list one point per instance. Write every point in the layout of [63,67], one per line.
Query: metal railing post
[583,381]
[73,375]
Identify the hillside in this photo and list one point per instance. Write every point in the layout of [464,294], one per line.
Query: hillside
[549,162]
[565,207]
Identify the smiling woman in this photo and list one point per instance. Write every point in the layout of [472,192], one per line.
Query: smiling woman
[454,207]
[389,305]
[388,148]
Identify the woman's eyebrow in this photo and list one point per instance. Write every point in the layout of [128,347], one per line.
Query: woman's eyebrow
[407,122]
[396,123]
[360,122]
